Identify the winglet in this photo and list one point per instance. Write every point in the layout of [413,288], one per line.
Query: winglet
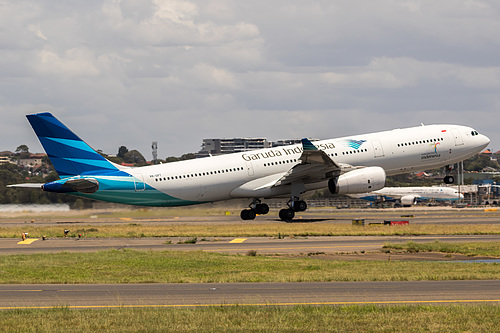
[307,145]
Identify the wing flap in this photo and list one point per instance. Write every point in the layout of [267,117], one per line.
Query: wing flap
[315,166]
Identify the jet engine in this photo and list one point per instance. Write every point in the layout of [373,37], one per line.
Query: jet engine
[408,200]
[358,181]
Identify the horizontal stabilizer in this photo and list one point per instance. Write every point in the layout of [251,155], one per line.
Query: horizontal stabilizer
[27,185]
[82,185]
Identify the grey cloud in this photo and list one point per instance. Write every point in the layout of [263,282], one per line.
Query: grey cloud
[133,71]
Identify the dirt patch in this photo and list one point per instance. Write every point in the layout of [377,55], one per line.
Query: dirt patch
[422,256]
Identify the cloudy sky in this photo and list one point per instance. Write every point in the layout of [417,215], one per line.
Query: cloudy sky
[129,72]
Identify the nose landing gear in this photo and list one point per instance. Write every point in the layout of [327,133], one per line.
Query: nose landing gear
[448,179]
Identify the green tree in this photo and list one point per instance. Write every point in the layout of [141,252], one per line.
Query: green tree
[135,157]
[479,162]
[184,157]
[189,156]
[122,151]
[171,159]
[22,149]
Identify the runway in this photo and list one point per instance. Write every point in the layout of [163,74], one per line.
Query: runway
[227,294]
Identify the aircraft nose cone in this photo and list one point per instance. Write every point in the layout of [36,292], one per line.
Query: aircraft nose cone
[484,140]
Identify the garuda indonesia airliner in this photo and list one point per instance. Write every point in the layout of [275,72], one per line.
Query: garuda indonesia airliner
[354,164]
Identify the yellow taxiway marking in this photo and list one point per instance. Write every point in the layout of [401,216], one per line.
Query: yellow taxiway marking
[238,240]
[250,304]
[28,241]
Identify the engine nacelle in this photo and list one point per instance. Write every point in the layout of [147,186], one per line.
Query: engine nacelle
[408,200]
[358,181]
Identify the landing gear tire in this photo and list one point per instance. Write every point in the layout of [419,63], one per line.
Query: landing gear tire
[286,214]
[449,179]
[300,206]
[262,209]
[248,214]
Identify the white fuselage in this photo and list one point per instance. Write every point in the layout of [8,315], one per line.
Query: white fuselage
[245,175]
[412,194]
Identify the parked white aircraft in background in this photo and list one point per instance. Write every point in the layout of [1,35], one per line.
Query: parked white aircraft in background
[407,196]
[354,164]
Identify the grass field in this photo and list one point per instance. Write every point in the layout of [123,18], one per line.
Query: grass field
[131,266]
[468,249]
[450,318]
[248,230]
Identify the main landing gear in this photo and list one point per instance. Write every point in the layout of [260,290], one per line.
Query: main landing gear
[448,179]
[294,205]
[286,214]
[256,207]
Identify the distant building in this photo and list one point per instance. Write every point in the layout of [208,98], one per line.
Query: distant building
[289,142]
[4,160]
[34,161]
[495,156]
[211,147]
[29,162]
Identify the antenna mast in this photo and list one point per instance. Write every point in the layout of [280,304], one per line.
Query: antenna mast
[154,146]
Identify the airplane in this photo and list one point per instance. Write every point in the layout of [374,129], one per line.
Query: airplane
[354,164]
[408,196]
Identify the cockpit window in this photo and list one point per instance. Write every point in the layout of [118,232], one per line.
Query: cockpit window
[474,133]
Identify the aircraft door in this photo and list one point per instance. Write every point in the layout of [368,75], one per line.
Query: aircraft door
[458,138]
[378,151]
[250,168]
[139,182]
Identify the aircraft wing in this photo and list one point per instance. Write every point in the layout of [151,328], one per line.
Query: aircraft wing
[315,166]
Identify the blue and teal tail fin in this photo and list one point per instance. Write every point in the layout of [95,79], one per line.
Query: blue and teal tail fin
[69,154]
